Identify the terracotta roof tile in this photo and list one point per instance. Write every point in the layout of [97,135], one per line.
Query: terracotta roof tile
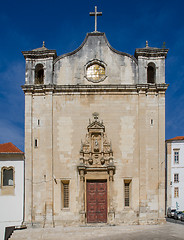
[176,138]
[9,148]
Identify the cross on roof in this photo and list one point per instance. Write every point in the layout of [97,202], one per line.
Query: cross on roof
[95,14]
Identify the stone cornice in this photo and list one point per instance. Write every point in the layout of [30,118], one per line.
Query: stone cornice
[93,89]
[39,54]
[151,52]
[96,169]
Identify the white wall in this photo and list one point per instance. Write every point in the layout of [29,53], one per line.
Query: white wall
[177,168]
[11,213]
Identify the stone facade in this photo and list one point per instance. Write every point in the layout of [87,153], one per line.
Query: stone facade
[95,117]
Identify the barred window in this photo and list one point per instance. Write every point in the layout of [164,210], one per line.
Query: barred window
[176,192]
[176,177]
[65,193]
[127,193]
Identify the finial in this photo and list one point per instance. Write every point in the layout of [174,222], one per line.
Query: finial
[95,115]
[163,46]
[43,44]
[146,43]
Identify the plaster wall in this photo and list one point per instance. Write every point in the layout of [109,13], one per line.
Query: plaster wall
[11,200]
[177,203]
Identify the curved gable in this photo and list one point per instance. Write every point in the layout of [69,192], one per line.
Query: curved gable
[119,67]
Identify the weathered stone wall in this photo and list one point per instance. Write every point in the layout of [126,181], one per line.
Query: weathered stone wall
[135,143]
[57,116]
[121,68]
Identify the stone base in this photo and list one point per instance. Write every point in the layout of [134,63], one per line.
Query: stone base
[82,217]
[111,216]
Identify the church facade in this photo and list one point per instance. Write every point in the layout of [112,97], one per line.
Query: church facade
[95,135]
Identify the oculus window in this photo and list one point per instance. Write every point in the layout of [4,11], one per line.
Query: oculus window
[95,71]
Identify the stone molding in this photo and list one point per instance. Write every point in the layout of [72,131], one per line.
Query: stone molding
[151,52]
[89,89]
[39,54]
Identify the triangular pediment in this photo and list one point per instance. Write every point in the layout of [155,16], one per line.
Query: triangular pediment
[96,125]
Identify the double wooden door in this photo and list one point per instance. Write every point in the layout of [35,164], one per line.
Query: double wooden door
[96,201]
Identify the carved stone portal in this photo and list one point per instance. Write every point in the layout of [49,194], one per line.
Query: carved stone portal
[96,151]
[96,156]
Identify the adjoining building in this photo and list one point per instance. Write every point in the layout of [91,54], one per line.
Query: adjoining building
[11,186]
[95,135]
[175,173]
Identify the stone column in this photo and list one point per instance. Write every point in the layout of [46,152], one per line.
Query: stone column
[111,213]
[82,195]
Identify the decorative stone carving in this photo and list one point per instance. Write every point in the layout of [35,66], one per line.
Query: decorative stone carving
[96,151]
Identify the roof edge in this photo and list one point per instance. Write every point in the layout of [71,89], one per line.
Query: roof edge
[178,138]
[85,40]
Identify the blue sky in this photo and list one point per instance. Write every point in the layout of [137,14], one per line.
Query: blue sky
[63,26]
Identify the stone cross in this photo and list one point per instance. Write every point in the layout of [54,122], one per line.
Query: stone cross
[95,14]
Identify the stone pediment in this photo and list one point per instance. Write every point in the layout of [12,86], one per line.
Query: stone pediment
[96,151]
[92,40]
[96,125]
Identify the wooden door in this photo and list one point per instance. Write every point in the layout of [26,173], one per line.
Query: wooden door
[96,201]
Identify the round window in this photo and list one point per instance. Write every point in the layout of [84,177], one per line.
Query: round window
[95,72]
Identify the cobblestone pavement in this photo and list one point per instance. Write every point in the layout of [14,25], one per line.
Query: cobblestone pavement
[168,231]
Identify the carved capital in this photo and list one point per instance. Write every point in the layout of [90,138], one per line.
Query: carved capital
[81,170]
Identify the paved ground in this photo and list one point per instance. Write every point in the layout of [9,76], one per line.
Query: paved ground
[172,220]
[168,231]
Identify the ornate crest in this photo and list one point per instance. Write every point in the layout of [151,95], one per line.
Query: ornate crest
[96,151]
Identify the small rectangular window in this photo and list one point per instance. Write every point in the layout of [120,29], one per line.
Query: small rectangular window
[176,156]
[176,192]
[7,176]
[127,193]
[36,143]
[65,193]
[176,177]
[38,122]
